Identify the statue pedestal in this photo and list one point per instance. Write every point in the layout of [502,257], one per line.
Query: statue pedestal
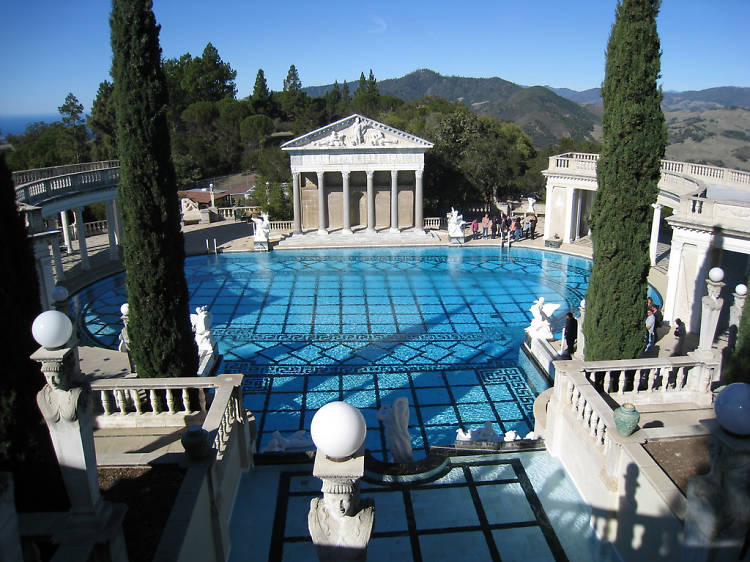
[340,524]
[458,240]
[261,246]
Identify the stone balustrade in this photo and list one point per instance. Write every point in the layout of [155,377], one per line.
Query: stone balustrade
[214,402]
[90,228]
[435,223]
[713,213]
[37,192]
[28,176]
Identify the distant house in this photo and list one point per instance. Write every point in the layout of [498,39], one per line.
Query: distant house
[203,196]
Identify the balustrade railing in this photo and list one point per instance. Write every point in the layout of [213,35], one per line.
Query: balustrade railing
[435,222]
[281,226]
[42,190]
[90,228]
[27,176]
[215,402]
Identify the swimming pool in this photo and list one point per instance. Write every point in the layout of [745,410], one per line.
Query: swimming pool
[441,326]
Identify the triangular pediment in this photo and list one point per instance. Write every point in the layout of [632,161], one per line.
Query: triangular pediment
[356,132]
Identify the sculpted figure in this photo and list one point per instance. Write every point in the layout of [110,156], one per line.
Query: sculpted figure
[201,322]
[455,224]
[396,421]
[262,228]
[541,312]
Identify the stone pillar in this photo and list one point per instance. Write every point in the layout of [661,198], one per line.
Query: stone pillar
[81,230]
[296,202]
[711,305]
[340,523]
[59,271]
[581,343]
[675,265]
[43,261]
[655,223]
[66,232]
[418,208]
[118,220]
[548,234]
[110,210]
[370,202]
[322,222]
[735,314]
[65,405]
[394,201]
[570,198]
[346,204]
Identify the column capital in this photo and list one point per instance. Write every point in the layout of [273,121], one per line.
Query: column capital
[370,174]
[319,173]
[345,173]
[419,173]
[657,206]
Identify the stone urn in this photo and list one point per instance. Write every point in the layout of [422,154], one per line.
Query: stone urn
[195,441]
[732,407]
[626,419]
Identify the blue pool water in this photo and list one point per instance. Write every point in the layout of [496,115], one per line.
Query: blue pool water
[441,326]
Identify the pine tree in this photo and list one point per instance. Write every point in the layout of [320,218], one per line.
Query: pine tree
[372,85]
[162,342]
[628,172]
[292,83]
[25,446]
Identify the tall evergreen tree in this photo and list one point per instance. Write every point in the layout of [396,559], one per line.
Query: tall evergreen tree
[261,98]
[292,83]
[372,85]
[737,368]
[628,172]
[25,446]
[161,338]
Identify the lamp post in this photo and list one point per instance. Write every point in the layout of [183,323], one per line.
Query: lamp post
[340,523]
[65,405]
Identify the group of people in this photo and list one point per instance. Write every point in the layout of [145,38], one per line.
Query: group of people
[504,226]
[654,321]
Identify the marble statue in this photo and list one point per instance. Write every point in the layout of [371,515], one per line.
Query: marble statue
[189,210]
[541,312]
[396,421]
[485,433]
[262,228]
[296,441]
[456,226]
[530,206]
[201,322]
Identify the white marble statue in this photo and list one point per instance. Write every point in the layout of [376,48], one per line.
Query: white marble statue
[396,421]
[541,313]
[485,433]
[298,441]
[262,228]
[530,206]
[455,224]
[201,322]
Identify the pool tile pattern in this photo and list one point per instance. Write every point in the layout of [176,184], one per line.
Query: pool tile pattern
[474,510]
[440,326]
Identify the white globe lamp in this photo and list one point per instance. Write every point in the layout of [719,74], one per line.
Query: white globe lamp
[732,408]
[716,274]
[338,430]
[741,289]
[124,309]
[52,329]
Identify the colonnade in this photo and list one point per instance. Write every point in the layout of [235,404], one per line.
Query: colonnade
[346,201]
[114,233]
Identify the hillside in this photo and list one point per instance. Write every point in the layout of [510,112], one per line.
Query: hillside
[543,115]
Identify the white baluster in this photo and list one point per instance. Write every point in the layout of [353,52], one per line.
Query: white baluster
[620,382]
[154,399]
[600,432]
[186,400]
[681,374]
[170,401]
[607,382]
[651,379]
[120,400]
[202,399]
[106,403]
[593,424]
[137,401]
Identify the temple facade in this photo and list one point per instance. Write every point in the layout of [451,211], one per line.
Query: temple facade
[357,172]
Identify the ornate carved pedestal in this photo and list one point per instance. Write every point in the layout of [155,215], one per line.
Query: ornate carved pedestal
[340,523]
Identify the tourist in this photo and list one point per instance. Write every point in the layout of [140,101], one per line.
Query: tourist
[532,223]
[571,334]
[649,303]
[485,226]
[650,330]
[474,229]
[679,334]
[503,225]
[517,222]
[526,227]
[658,317]
[493,226]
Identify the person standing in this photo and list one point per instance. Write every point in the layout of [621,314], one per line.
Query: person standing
[485,226]
[679,333]
[650,330]
[474,229]
[571,334]
[532,223]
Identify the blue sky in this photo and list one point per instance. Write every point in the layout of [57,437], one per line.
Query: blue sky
[51,47]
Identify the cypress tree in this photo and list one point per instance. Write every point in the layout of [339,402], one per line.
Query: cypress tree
[628,173]
[162,342]
[25,445]
[738,366]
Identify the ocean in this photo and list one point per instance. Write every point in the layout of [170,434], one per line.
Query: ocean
[16,124]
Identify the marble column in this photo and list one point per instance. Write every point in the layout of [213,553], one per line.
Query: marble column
[418,210]
[110,210]
[655,222]
[322,222]
[118,221]
[66,232]
[548,234]
[394,201]
[570,198]
[346,205]
[296,203]
[59,271]
[81,231]
[370,202]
